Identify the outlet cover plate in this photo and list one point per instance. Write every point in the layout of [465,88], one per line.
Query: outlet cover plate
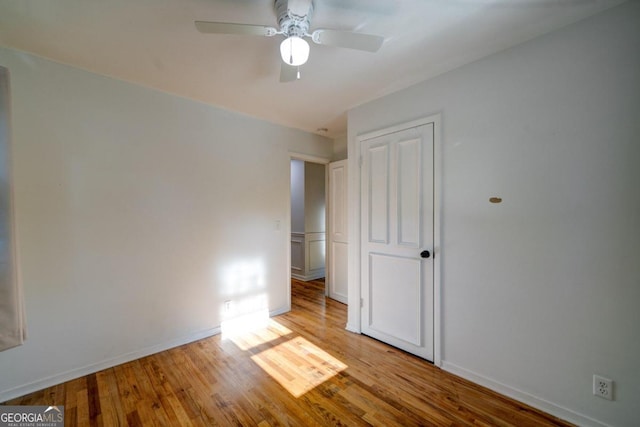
[602,387]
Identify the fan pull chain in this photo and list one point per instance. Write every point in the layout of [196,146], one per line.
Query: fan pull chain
[290,51]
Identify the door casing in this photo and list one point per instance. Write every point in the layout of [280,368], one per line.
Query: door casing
[287,229]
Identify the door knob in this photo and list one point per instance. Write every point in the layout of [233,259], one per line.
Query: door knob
[425,254]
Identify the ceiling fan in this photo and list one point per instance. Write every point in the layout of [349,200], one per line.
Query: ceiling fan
[293,21]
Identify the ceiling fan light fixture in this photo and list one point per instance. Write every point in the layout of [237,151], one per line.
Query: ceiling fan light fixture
[294,51]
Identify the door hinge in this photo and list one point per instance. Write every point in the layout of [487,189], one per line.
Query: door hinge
[360,161]
[361,302]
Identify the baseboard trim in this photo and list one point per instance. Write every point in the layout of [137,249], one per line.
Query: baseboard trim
[340,298]
[352,328]
[524,397]
[115,361]
[308,277]
[279,311]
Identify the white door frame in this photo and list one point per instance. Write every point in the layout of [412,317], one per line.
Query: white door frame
[355,295]
[312,159]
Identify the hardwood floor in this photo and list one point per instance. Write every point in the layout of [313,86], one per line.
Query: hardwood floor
[300,369]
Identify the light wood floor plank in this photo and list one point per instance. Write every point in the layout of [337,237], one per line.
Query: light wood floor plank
[303,369]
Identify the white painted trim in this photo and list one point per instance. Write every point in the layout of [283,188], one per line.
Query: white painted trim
[398,128]
[313,159]
[300,244]
[354,324]
[308,158]
[524,397]
[105,364]
[278,312]
[340,299]
[437,248]
[327,261]
[287,229]
[297,247]
[313,276]
[353,250]
[310,260]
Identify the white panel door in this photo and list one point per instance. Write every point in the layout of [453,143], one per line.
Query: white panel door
[338,243]
[397,239]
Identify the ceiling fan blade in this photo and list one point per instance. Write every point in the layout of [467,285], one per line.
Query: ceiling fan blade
[347,39]
[229,28]
[382,7]
[288,73]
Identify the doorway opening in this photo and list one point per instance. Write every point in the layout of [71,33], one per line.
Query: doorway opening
[308,204]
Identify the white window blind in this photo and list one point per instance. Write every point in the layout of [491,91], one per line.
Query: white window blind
[12,323]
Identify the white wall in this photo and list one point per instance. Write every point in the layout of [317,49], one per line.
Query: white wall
[307,197]
[314,198]
[138,213]
[340,148]
[297,196]
[542,291]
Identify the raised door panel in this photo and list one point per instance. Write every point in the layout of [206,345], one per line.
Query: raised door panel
[395,310]
[338,288]
[378,204]
[338,202]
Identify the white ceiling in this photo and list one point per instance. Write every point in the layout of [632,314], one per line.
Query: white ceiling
[154,43]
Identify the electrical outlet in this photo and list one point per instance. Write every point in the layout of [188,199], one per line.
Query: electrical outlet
[602,387]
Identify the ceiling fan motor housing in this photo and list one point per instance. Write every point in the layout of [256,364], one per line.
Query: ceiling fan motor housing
[294,16]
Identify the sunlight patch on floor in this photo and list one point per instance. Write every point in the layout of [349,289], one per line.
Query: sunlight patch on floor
[298,365]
